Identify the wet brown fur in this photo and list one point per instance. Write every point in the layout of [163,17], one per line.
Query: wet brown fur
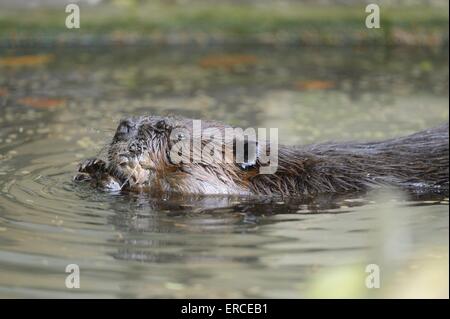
[417,162]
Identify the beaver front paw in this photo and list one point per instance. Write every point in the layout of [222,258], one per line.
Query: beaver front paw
[92,166]
[96,171]
[90,169]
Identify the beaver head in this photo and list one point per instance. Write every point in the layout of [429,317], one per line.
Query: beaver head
[161,154]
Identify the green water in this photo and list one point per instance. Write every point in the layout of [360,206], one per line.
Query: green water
[137,246]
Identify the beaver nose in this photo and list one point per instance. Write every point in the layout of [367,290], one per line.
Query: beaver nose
[126,127]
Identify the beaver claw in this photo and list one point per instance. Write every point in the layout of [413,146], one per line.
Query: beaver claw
[90,169]
[95,170]
[91,166]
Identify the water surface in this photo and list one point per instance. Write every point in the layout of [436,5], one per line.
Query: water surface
[62,105]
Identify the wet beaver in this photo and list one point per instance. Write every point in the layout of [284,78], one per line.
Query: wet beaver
[140,158]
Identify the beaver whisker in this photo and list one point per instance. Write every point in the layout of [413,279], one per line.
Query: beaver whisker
[125,182]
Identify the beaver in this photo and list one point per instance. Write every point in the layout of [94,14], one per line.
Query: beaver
[139,158]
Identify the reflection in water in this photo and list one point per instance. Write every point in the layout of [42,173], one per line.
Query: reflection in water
[130,245]
[181,215]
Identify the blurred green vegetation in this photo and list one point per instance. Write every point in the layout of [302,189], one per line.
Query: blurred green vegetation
[304,23]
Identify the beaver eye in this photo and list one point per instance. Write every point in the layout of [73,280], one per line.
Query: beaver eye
[250,155]
[247,164]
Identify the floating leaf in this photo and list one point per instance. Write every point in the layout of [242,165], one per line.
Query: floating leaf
[227,61]
[41,102]
[314,85]
[25,60]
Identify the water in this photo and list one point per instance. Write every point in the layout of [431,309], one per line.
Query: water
[59,106]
